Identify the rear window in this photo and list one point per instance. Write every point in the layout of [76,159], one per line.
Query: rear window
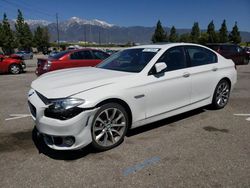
[81,55]
[59,55]
[100,55]
[201,56]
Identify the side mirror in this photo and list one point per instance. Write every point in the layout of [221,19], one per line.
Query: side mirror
[160,67]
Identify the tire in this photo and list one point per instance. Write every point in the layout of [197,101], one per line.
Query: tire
[109,126]
[15,69]
[221,94]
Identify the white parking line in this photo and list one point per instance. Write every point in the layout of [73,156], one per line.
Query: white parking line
[244,115]
[17,116]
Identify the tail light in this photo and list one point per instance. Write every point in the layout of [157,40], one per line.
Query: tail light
[47,65]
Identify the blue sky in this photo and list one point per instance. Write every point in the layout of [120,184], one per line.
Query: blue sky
[180,13]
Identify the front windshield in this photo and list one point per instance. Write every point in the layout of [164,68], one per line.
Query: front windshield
[130,60]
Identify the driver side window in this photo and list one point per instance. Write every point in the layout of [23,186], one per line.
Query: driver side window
[174,58]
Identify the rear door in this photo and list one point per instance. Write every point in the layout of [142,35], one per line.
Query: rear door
[203,72]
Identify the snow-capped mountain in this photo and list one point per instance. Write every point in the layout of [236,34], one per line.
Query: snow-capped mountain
[95,22]
[101,23]
[67,23]
[38,22]
[77,29]
[32,23]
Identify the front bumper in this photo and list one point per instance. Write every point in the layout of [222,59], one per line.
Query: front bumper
[52,130]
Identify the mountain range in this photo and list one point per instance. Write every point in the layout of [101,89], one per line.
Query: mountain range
[76,29]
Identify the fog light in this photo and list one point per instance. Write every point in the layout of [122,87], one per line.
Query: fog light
[68,141]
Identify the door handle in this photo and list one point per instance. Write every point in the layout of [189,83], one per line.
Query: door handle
[186,74]
[214,69]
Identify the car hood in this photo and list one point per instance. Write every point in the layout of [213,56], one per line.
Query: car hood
[67,82]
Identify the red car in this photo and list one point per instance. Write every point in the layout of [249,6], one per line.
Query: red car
[11,65]
[69,59]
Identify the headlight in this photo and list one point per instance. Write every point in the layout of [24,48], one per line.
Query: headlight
[60,105]
[64,109]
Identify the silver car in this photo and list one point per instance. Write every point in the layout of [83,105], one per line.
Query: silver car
[25,54]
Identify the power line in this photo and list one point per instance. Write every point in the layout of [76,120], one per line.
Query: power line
[28,8]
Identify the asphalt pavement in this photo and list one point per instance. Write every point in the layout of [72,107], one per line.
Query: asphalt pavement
[201,148]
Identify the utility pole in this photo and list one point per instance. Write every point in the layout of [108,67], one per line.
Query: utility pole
[90,34]
[85,36]
[57,28]
[99,38]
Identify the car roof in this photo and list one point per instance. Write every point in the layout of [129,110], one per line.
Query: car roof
[81,49]
[168,45]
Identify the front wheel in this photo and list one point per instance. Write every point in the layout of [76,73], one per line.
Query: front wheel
[221,94]
[15,69]
[109,127]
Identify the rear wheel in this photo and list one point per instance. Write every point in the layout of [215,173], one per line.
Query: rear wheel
[15,69]
[221,94]
[109,126]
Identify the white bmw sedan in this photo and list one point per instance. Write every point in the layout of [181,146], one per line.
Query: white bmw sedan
[75,107]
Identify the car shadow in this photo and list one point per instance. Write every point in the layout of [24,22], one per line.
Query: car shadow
[57,154]
[165,122]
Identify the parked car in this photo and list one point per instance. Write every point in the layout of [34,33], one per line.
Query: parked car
[75,107]
[70,58]
[247,50]
[110,52]
[53,53]
[23,54]
[2,55]
[231,51]
[11,65]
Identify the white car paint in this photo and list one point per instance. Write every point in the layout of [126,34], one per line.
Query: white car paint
[150,98]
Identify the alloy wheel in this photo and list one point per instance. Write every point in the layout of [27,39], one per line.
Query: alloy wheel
[109,127]
[222,94]
[15,69]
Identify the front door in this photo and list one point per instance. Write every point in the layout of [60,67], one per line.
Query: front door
[170,90]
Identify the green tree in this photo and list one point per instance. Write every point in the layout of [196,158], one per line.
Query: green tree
[159,34]
[195,33]
[223,37]
[23,33]
[41,39]
[7,36]
[1,35]
[234,36]
[203,38]
[173,37]
[46,37]
[185,37]
[28,36]
[212,36]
